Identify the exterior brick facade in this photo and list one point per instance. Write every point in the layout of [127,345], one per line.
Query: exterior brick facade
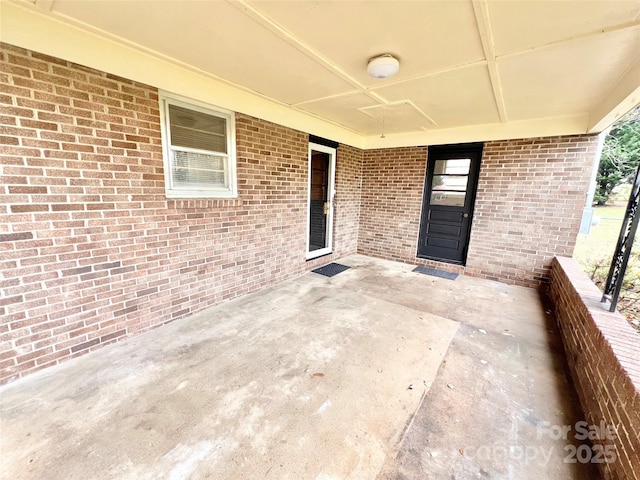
[93,252]
[391,202]
[604,358]
[531,195]
[348,186]
[529,204]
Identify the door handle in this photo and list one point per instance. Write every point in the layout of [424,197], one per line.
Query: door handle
[326,208]
[465,215]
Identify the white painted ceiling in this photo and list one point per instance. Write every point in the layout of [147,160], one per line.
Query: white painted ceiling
[462,63]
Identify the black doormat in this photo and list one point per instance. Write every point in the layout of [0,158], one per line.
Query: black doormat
[435,273]
[331,269]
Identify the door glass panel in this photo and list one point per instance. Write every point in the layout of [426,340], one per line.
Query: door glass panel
[449,198]
[449,182]
[455,166]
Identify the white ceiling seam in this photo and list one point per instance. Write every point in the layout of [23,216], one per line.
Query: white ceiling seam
[481,10]
[297,43]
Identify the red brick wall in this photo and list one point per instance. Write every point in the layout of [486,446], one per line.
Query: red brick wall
[391,202]
[528,208]
[92,251]
[346,215]
[531,194]
[603,352]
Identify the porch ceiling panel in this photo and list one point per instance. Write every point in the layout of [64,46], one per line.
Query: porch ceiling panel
[532,24]
[426,36]
[397,117]
[470,69]
[571,77]
[346,110]
[215,37]
[453,98]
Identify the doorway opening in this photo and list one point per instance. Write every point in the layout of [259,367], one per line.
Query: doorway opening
[449,197]
[322,161]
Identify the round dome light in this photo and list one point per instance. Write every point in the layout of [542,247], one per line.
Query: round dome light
[383,66]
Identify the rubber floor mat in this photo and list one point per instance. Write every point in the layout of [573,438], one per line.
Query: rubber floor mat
[331,269]
[435,273]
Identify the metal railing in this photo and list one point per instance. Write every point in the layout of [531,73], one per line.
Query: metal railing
[623,249]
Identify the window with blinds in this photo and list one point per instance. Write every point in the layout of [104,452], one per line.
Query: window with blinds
[199,150]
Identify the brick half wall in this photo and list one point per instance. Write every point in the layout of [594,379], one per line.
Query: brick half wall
[603,352]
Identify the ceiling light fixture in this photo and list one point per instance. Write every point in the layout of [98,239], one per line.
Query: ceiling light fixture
[383,66]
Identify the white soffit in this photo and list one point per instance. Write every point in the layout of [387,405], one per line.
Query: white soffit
[469,70]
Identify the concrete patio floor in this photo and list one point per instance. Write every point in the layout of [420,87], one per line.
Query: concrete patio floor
[378,372]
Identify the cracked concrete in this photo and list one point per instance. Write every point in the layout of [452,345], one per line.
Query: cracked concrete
[377,372]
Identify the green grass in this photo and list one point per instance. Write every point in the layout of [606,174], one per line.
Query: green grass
[594,253]
[614,211]
[601,241]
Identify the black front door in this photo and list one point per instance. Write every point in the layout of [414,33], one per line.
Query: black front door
[447,206]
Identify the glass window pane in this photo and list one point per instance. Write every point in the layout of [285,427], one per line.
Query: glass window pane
[198,170]
[193,129]
[456,166]
[448,198]
[449,182]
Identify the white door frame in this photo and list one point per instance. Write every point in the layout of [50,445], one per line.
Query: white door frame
[330,195]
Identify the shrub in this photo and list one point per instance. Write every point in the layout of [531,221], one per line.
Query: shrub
[629,300]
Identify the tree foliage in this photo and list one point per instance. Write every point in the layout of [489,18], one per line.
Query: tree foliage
[620,155]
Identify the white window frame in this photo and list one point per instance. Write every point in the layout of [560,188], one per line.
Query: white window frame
[231,189]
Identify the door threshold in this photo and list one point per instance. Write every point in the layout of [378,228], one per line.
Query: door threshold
[319,256]
[442,260]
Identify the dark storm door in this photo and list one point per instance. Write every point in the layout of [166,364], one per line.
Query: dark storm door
[447,206]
